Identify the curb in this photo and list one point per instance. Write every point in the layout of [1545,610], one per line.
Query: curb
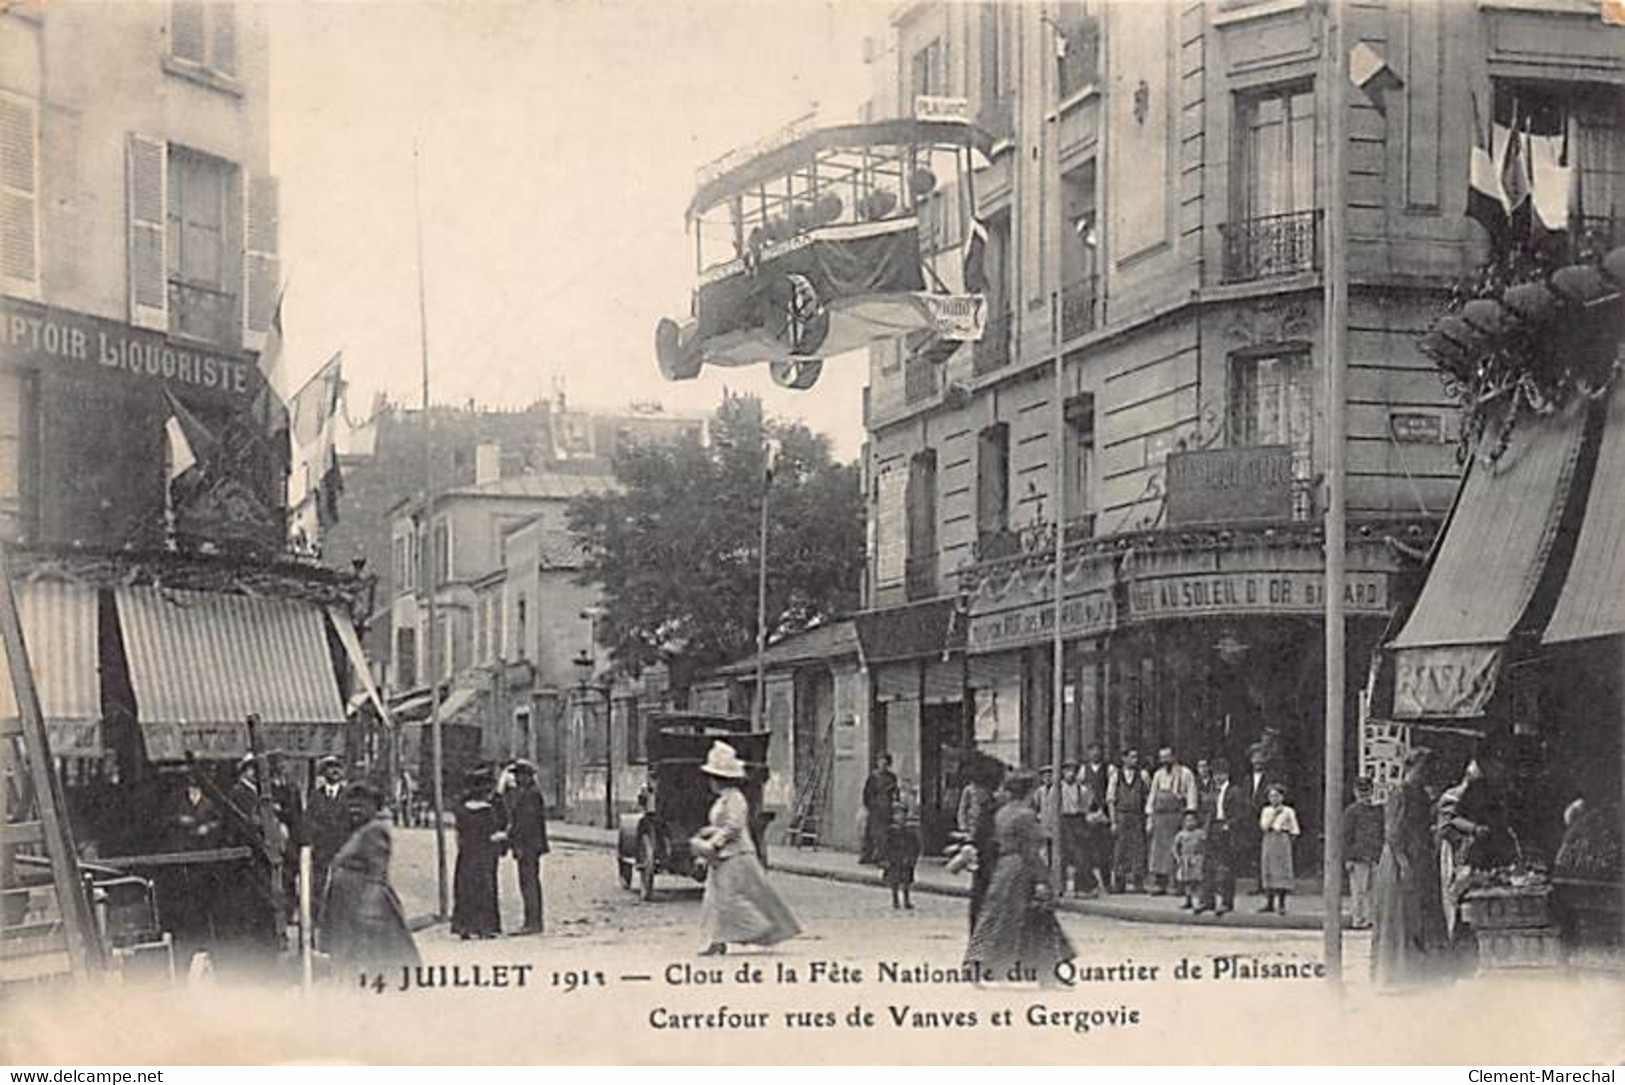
[1131,913]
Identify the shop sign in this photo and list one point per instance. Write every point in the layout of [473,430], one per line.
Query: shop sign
[1253,593]
[74,738]
[934,107]
[46,338]
[1417,427]
[1081,615]
[218,741]
[1455,681]
[960,318]
[1227,485]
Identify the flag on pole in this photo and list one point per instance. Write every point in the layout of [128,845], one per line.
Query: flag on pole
[976,257]
[1486,203]
[190,446]
[1515,182]
[1552,172]
[182,458]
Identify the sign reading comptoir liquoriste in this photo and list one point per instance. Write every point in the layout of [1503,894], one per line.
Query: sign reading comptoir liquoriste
[41,337]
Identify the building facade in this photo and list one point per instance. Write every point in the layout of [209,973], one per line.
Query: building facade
[1154,228]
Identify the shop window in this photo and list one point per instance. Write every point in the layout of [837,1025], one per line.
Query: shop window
[993,481]
[202,247]
[406,658]
[19,456]
[204,35]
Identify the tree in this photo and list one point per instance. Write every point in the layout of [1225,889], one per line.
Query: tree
[675,551]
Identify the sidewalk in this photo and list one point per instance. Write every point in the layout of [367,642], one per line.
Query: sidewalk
[933,877]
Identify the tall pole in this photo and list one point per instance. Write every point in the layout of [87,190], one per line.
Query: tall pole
[431,573]
[1336,323]
[758,701]
[1050,223]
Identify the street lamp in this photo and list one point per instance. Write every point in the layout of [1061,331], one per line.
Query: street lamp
[584,673]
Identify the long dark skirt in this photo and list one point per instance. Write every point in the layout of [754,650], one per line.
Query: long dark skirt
[1013,939]
[1409,943]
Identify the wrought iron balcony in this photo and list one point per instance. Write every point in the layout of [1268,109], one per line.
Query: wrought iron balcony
[920,578]
[993,351]
[1263,248]
[1080,307]
[203,313]
[1035,541]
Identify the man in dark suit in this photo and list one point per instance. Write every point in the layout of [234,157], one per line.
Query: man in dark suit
[526,837]
[326,822]
[1260,775]
[1226,828]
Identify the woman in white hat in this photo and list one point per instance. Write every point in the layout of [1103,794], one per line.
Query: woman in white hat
[739,905]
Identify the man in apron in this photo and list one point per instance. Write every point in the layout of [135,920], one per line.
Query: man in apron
[1173,792]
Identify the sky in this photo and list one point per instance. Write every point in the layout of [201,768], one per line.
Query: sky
[556,143]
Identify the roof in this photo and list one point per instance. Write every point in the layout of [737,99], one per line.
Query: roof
[832,640]
[547,485]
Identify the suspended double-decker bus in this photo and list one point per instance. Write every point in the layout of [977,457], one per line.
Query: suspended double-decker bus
[811,244]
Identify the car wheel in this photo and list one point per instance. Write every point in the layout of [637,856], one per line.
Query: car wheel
[797,373]
[795,314]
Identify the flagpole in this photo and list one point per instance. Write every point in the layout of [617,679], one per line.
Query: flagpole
[431,571]
[1336,322]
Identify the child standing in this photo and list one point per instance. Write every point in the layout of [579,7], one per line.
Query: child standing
[899,855]
[1190,844]
[1279,824]
[1362,848]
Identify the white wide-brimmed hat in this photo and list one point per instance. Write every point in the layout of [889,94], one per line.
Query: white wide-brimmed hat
[723,761]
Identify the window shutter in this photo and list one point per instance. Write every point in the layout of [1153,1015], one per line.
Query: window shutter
[19,196]
[148,201]
[187,30]
[223,38]
[261,266]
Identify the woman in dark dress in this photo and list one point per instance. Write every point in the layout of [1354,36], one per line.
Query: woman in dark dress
[976,809]
[363,924]
[475,912]
[1017,935]
[1409,944]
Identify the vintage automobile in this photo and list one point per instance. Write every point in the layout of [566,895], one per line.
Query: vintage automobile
[821,241]
[676,798]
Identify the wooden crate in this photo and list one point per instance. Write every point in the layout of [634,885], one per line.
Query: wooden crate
[1519,947]
[1508,908]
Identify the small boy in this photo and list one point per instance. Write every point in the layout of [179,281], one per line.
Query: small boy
[1189,845]
[1362,849]
[900,854]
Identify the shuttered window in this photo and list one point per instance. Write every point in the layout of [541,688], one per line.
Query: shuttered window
[262,267]
[19,196]
[147,165]
[204,34]
[201,247]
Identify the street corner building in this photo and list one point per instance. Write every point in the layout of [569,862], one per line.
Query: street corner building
[168,630]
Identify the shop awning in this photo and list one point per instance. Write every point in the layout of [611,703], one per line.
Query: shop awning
[60,631]
[913,631]
[1494,550]
[1592,603]
[202,662]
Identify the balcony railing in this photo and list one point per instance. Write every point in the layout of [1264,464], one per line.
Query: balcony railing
[993,351]
[203,313]
[1274,245]
[1080,307]
[1032,541]
[1596,235]
[920,578]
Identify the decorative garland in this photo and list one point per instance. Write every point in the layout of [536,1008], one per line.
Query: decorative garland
[1523,339]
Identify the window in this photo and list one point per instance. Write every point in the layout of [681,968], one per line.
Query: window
[1575,125]
[19,196]
[1272,403]
[19,454]
[635,753]
[926,72]
[406,658]
[519,623]
[920,526]
[993,480]
[1277,152]
[1077,48]
[204,35]
[1079,452]
[202,248]
[482,648]
[442,552]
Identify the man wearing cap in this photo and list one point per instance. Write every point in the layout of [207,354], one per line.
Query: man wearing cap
[327,821]
[1229,820]
[527,838]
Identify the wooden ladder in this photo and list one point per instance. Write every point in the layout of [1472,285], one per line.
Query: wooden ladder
[46,927]
[807,823]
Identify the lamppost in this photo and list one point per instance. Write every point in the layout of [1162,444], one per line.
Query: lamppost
[584,673]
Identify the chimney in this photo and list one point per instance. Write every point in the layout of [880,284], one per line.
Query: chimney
[487,463]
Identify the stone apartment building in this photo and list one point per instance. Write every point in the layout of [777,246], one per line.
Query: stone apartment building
[1154,217]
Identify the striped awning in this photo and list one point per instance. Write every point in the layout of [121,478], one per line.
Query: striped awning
[1592,603]
[202,662]
[1447,658]
[59,631]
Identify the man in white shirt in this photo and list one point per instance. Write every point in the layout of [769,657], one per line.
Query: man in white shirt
[1173,792]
